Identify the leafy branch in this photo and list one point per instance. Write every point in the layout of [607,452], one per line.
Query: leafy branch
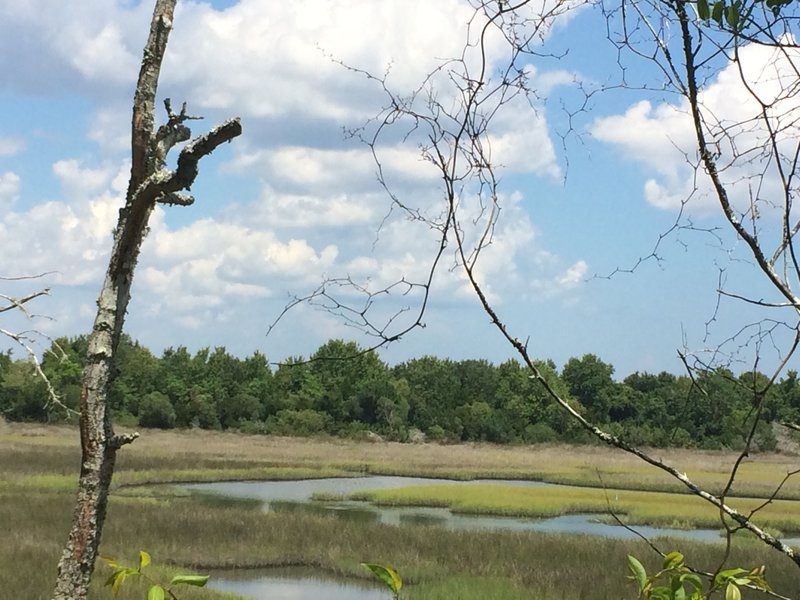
[156,591]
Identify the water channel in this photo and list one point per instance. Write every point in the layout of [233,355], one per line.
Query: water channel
[287,496]
[293,583]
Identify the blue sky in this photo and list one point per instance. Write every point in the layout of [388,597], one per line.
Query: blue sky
[292,201]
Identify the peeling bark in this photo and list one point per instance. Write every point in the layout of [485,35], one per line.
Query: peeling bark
[150,182]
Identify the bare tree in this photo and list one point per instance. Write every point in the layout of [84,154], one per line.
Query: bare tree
[151,182]
[29,340]
[746,159]
[750,165]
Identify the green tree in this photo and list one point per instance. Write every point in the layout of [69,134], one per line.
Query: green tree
[23,394]
[305,422]
[138,374]
[294,386]
[155,410]
[589,381]
[434,394]
[197,409]
[352,381]
[240,408]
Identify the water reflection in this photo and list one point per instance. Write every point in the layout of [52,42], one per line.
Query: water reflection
[293,496]
[294,583]
[352,512]
[302,490]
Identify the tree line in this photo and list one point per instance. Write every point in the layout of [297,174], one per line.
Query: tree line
[344,391]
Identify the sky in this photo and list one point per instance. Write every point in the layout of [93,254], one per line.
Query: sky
[295,200]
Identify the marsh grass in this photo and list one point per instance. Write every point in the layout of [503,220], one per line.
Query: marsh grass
[639,508]
[547,566]
[186,531]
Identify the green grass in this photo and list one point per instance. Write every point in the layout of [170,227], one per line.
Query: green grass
[39,465]
[637,507]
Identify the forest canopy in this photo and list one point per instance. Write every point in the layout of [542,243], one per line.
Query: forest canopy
[342,390]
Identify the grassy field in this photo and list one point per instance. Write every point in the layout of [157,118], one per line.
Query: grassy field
[659,509]
[38,470]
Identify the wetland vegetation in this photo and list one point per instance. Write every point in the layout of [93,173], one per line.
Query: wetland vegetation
[38,467]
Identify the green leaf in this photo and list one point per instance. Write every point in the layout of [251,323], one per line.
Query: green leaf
[119,579]
[110,562]
[195,580]
[387,575]
[716,12]
[693,580]
[728,574]
[703,10]
[673,560]
[156,593]
[113,576]
[144,559]
[639,574]
[732,592]
[659,593]
[732,16]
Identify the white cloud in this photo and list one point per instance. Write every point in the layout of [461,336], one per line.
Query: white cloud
[309,211]
[79,182]
[662,138]
[71,236]
[9,190]
[522,144]
[48,46]
[215,265]
[10,146]
[101,55]
[57,236]
[547,81]
[110,128]
[319,207]
[270,58]
[574,275]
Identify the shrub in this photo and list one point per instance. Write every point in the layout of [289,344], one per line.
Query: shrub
[156,411]
[299,422]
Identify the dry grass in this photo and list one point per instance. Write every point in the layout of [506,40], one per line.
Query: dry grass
[38,467]
[577,465]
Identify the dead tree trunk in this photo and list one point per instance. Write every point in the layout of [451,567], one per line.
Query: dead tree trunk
[150,182]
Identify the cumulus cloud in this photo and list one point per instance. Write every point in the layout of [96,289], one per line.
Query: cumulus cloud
[313,207]
[46,46]
[111,129]
[661,137]
[310,211]
[275,58]
[574,274]
[523,145]
[70,236]
[9,190]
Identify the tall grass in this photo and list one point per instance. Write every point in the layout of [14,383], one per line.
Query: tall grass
[37,463]
[639,508]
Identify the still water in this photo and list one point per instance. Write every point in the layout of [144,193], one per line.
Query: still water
[304,584]
[288,496]
[293,584]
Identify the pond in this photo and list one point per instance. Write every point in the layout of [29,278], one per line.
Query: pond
[294,583]
[288,496]
[307,584]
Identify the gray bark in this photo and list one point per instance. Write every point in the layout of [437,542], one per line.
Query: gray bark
[150,182]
